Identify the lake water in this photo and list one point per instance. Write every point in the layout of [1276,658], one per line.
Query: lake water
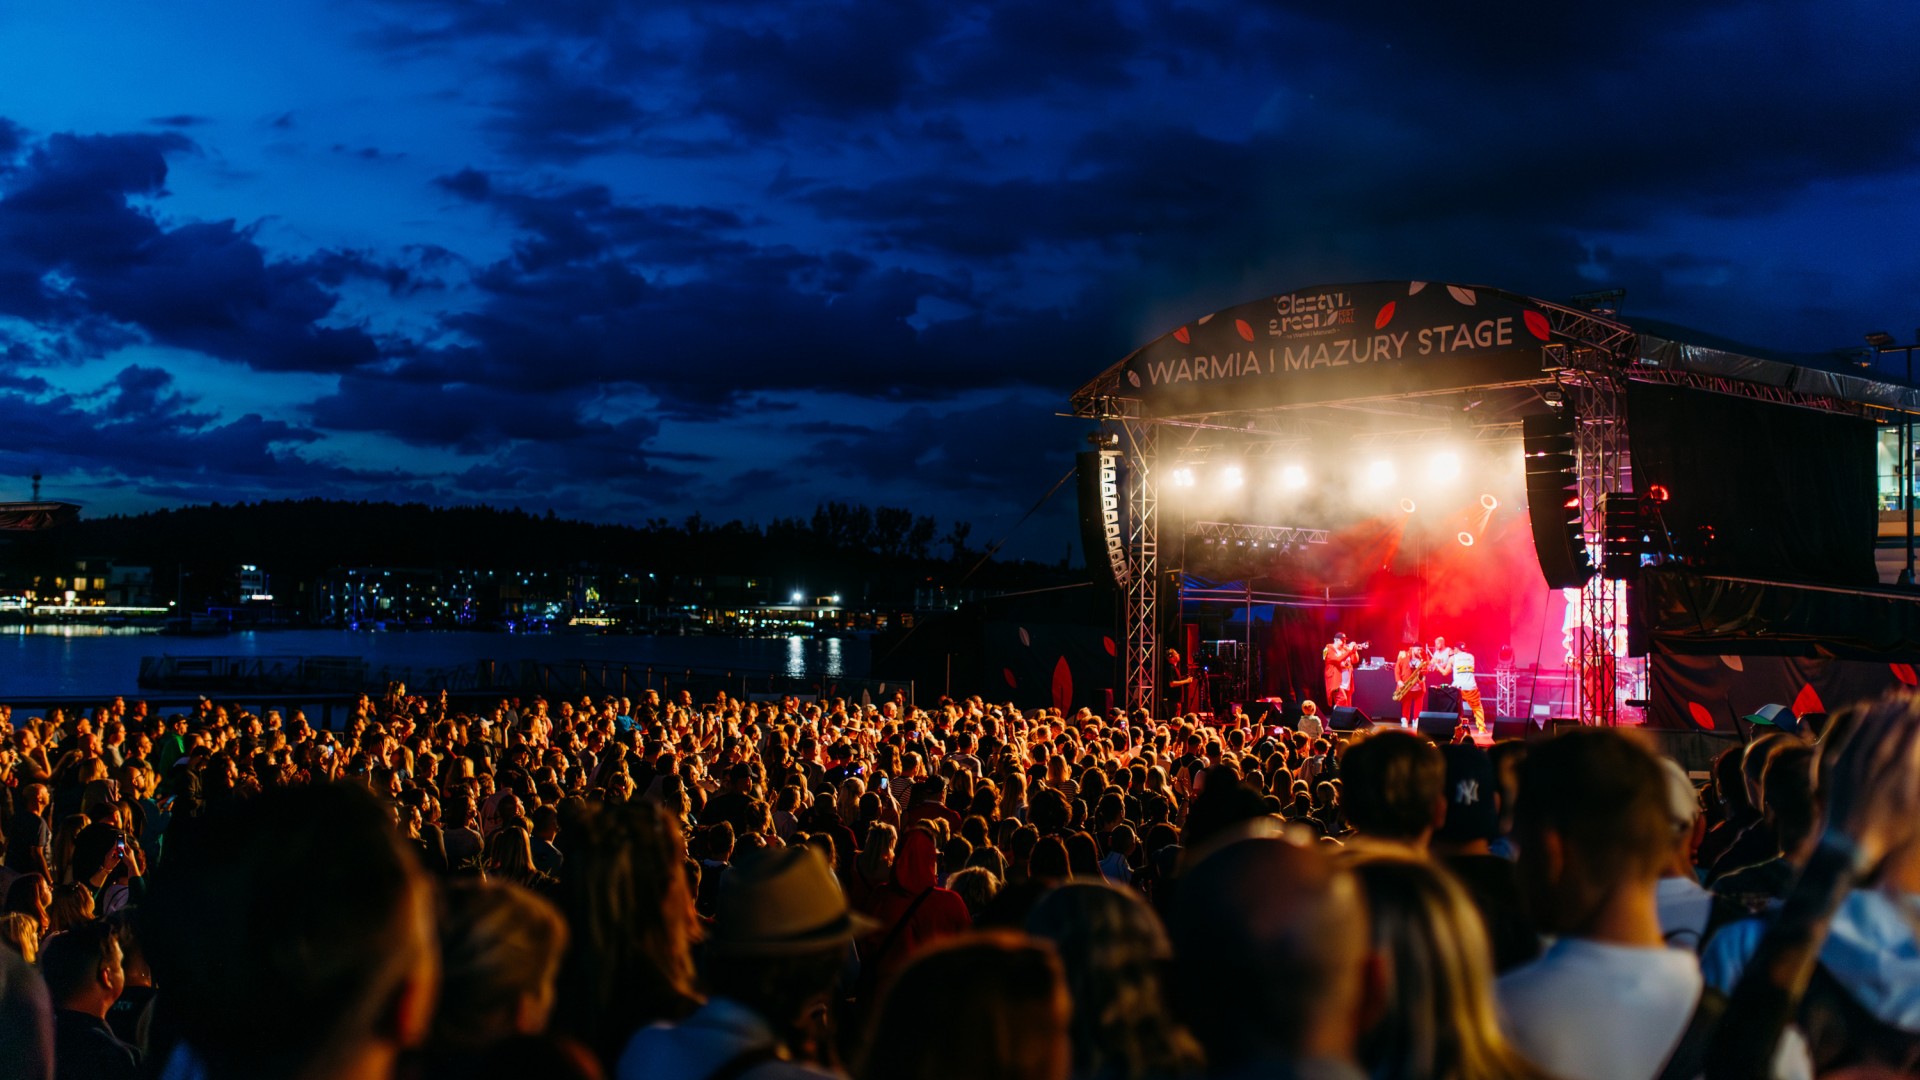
[47,661]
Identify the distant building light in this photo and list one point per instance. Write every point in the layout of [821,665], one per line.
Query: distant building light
[261,596]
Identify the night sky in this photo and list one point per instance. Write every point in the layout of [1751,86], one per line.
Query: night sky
[637,260]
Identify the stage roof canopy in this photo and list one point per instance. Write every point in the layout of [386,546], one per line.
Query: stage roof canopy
[1407,356]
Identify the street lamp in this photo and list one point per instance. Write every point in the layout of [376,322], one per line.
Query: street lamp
[1882,342]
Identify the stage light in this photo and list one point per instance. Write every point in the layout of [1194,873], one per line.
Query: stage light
[1488,502]
[1182,477]
[1443,467]
[1232,477]
[1380,473]
[1407,505]
[1572,503]
[1465,538]
[1294,477]
[1659,493]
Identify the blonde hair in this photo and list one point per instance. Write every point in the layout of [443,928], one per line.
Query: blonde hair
[1440,1021]
[22,932]
[500,944]
[876,854]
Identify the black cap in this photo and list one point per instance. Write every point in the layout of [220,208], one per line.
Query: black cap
[1471,788]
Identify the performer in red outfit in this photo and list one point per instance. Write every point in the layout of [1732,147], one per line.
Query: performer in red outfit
[1409,679]
[1341,658]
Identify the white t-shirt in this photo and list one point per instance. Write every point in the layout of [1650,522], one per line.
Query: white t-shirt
[1685,908]
[1463,670]
[1593,1011]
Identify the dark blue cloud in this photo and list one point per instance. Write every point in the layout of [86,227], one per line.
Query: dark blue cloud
[76,249]
[554,111]
[142,432]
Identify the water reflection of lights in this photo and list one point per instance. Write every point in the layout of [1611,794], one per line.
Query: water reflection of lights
[796,657]
[833,657]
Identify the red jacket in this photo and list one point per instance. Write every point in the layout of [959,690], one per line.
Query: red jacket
[940,914]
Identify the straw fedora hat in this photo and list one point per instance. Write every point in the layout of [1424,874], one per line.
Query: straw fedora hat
[784,903]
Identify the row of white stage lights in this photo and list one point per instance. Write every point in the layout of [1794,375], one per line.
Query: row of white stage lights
[1439,468]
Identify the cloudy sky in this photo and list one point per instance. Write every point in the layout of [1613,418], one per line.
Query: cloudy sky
[633,260]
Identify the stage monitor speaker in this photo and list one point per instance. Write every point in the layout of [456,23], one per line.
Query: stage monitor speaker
[1348,718]
[1439,726]
[1520,728]
[1553,500]
[1563,724]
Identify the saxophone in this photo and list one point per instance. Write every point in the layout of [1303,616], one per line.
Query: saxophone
[1414,680]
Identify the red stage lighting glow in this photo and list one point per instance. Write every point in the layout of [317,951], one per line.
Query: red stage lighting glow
[1572,503]
[1407,505]
[1466,539]
[1488,502]
[1659,493]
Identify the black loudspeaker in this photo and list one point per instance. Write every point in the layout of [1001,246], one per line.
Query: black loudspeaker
[1623,535]
[1348,718]
[1562,724]
[1553,499]
[1521,728]
[1102,510]
[1439,726]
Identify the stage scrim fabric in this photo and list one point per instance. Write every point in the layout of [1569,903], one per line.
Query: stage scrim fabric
[1787,492]
[1708,692]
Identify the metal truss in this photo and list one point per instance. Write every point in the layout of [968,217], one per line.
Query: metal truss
[1604,336]
[1143,582]
[1270,535]
[1506,690]
[1596,386]
[1779,395]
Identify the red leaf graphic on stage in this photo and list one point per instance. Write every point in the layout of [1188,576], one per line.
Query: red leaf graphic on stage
[1182,336]
[1734,662]
[1024,639]
[1904,672]
[1007,673]
[1381,320]
[1465,296]
[1414,287]
[1537,324]
[1112,649]
[1700,715]
[1062,685]
[1245,330]
[1808,701]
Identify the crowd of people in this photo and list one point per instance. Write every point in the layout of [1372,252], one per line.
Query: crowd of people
[730,890]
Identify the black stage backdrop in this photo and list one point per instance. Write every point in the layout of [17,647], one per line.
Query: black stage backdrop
[1788,492]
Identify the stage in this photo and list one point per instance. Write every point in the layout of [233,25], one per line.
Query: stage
[1410,462]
